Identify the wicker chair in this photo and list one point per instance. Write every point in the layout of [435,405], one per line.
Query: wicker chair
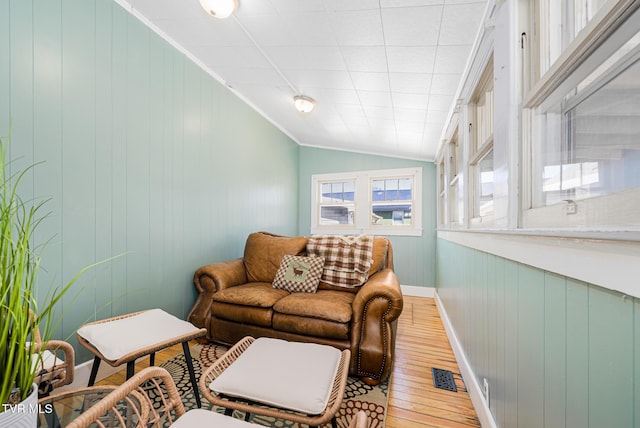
[54,366]
[156,381]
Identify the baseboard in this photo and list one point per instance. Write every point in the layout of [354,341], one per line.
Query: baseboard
[83,371]
[413,290]
[470,379]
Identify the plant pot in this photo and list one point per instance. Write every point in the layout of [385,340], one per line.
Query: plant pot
[23,414]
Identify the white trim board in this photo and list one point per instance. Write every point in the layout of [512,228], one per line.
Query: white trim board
[417,291]
[469,377]
[611,264]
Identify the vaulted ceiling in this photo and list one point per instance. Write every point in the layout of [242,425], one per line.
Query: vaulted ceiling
[384,73]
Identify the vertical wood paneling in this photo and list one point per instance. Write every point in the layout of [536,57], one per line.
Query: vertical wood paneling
[577,373]
[47,132]
[511,380]
[104,153]
[5,67]
[610,359]
[78,153]
[555,358]
[139,159]
[563,353]
[119,158]
[530,346]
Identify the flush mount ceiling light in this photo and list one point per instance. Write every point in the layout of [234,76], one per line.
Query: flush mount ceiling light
[303,103]
[219,8]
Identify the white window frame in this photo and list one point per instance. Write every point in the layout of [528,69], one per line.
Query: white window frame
[363,202]
[481,138]
[574,65]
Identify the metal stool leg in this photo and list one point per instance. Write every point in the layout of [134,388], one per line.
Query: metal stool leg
[131,368]
[94,370]
[192,374]
[152,359]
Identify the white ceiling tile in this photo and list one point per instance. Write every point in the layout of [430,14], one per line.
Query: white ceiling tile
[251,76]
[295,6]
[365,58]
[405,100]
[411,59]
[358,28]
[374,98]
[460,16]
[412,26]
[235,56]
[306,58]
[203,32]
[370,81]
[320,79]
[418,83]
[299,30]
[436,116]
[255,7]
[351,110]
[338,5]
[451,59]
[445,84]
[409,115]
[373,112]
[153,9]
[440,102]
[408,3]
[332,96]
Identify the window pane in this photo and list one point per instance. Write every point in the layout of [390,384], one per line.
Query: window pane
[387,214]
[484,190]
[601,152]
[338,192]
[337,214]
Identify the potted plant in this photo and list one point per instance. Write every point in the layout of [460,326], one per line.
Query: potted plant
[21,312]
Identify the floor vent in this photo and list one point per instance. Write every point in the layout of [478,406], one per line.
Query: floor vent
[443,379]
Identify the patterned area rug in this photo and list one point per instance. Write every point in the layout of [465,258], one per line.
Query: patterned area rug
[358,395]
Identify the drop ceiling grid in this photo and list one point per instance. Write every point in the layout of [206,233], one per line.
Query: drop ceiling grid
[384,72]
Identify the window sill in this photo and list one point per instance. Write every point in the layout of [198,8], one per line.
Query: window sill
[607,259]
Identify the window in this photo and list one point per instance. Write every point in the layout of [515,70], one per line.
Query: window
[561,21]
[481,137]
[586,139]
[385,202]
[337,202]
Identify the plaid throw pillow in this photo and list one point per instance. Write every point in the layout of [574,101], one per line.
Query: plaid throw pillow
[347,258]
[299,274]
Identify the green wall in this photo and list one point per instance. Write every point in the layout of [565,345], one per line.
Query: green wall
[557,352]
[414,257]
[144,154]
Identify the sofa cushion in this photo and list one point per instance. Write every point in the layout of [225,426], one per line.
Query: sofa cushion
[325,304]
[260,294]
[312,327]
[243,315]
[299,274]
[263,253]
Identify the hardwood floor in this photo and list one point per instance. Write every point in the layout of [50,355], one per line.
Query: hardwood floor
[421,345]
[413,400]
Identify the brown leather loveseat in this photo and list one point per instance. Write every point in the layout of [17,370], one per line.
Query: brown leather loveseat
[237,299]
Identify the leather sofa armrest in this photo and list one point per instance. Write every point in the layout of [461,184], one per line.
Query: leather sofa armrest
[210,279]
[376,308]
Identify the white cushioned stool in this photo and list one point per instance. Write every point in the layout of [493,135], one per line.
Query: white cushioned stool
[125,338]
[307,380]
